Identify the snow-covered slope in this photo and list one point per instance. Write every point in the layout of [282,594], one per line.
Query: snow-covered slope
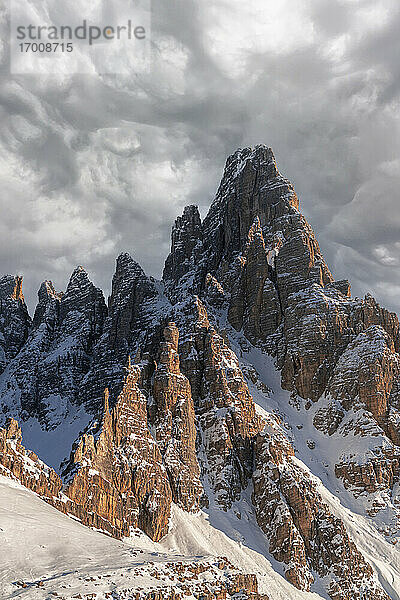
[318,453]
[39,544]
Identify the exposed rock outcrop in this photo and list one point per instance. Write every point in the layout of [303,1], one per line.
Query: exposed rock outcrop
[134,322]
[14,319]
[118,473]
[186,247]
[44,379]
[174,424]
[255,303]
[26,467]
[226,412]
[303,532]
[115,481]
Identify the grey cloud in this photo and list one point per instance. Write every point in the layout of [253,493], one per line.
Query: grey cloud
[93,165]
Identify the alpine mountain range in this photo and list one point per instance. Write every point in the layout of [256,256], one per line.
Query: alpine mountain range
[247,386]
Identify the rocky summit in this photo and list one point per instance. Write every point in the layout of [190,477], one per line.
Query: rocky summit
[247,392]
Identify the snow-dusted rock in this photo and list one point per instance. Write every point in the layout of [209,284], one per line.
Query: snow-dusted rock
[14,318]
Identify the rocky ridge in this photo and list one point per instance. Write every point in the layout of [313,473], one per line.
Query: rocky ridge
[182,425]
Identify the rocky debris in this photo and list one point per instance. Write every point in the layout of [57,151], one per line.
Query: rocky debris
[173,420]
[14,319]
[303,532]
[204,580]
[212,579]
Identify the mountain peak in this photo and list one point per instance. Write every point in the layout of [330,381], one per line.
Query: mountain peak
[78,286]
[11,287]
[82,296]
[47,291]
[127,264]
[258,156]
[186,240]
[79,274]
[249,314]
[251,183]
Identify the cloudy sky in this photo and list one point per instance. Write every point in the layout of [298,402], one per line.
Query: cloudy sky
[94,164]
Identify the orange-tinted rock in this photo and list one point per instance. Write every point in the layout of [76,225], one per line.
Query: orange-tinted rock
[226,412]
[255,261]
[376,473]
[116,479]
[254,303]
[14,318]
[24,465]
[303,532]
[367,370]
[119,473]
[174,424]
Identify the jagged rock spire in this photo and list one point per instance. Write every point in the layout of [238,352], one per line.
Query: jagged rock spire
[48,307]
[174,424]
[11,287]
[186,242]
[15,321]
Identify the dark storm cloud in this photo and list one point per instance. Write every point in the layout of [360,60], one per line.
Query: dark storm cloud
[92,165]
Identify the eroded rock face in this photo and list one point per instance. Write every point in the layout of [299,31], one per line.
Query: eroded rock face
[118,471]
[303,532]
[225,409]
[134,322]
[174,424]
[186,246]
[14,318]
[255,303]
[26,467]
[44,379]
[115,480]
[257,257]
[367,369]
[361,394]
[213,579]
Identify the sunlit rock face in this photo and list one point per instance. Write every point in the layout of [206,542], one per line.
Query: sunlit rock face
[14,319]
